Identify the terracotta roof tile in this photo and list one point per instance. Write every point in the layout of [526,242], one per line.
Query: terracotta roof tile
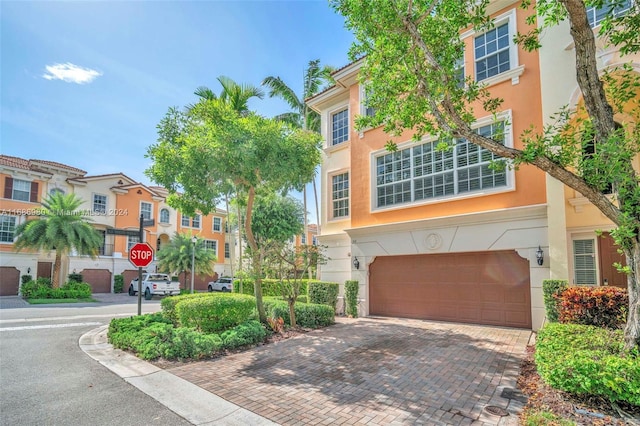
[60,165]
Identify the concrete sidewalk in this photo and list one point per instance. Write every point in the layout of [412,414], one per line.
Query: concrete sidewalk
[187,400]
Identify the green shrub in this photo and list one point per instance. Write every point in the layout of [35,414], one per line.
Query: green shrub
[25,279]
[75,277]
[270,287]
[27,289]
[588,360]
[190,344]
[324,293]
[308,315]
[40,290]
[599,306]
[216,312]
[552,289]
[123,332]
[44,281]
[76,290]
[351,288]
[118,283]
[249,333]
[168,304]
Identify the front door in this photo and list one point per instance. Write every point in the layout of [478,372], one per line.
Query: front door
[608,254]
[44,270]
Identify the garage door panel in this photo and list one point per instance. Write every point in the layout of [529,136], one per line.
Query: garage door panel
[483,288]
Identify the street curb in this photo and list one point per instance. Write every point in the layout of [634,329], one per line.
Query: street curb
[189,401]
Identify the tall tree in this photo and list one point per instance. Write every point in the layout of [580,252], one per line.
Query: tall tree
[316,78]
[411,51]
[176,256]
[200,150]
[61,227]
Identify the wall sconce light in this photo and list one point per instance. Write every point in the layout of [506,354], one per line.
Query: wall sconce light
[540,256]
[28,271]
[356,263]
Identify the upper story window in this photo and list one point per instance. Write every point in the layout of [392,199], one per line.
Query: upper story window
[459,71]
[21,190]
[227,252]
[7,228]
[615,8]
[146,210]
[303,239]
[99,203]
[217,224]
[365,110]
[492,52]
[340,195]
[164,216]
[423,172]
[188,221]
[211,245]
[340,126]
[54,191]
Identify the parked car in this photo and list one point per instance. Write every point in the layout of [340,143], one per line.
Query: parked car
[155,284]
[222,284]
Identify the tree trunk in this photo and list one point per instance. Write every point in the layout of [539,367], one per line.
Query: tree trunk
[292,312]
[257,264]
[55,279]
[632,330]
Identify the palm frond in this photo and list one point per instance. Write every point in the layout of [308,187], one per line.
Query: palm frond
[292,118]
[278,88]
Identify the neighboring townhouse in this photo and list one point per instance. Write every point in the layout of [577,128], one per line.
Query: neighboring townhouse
[436,235]
[579,253]
[114,204]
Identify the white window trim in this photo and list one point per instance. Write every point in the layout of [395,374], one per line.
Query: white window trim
[151,212]
[596,248]
[504,116]
[515,69]
[160,216]
[362,95]
[214,251]
[93,201]
[19,220]
[329,126]
[129,241]
[199,221]
[330,175]
[213,224]
[28,191]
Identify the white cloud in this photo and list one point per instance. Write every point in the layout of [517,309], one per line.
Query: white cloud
[70,73]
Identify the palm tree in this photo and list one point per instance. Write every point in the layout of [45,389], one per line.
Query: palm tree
[61,227]
[176,256]
[316,78]
[236,95]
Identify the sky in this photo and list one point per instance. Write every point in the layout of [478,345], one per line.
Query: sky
[85,83]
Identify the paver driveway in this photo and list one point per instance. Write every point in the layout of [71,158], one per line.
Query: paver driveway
[375,372]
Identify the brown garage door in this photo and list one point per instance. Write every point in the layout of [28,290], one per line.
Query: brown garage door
[480,288]
[100,279]
[9,281]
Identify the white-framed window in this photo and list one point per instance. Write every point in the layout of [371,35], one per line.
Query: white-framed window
[494,50]
[339,126]
[7,228]
[584,262]
[100,203]
[596,15]
[217,224]
[227,251]
[131,241]
[164,215]
[146,210]
[303,239]
[340,195]
[422,172]
[365,110]
[21,190]
[211,245]
[460,72]
[190,222]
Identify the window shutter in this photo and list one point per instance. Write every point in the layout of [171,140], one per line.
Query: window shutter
[8,187]
[34,192]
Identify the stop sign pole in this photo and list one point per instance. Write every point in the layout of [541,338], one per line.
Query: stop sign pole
[140,239]
[141,255]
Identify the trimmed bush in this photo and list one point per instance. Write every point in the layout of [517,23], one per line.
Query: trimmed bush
[249,333]
[308,315]
[168,304]
[270,287]
[44,281]
[552,289]
[599,306]
[118,283]
[215,313]
[351,288]
[25,279]
[75,277]
[324,293]
[40,290]
[76,289]
[588,360]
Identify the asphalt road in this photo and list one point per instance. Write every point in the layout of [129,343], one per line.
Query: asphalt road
[46,379]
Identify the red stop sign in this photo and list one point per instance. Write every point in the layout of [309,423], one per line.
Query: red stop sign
[141,255]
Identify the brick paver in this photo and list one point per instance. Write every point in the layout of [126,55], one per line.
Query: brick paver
[373,372]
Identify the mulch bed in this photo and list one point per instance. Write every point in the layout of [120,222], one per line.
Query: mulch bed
[583,411]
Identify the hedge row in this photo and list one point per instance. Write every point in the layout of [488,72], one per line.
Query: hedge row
[312,291]
[42,290]
[270,287]
[215,313]
[588,360]
[323,293]
[307,314]
[600,306]
[351,289]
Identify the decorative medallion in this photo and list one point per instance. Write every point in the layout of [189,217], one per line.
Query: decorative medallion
[434,241]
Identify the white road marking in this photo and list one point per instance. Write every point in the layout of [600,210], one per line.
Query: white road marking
[37,327]
[41,319]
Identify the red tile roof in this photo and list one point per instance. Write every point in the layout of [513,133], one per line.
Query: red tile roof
[21,163]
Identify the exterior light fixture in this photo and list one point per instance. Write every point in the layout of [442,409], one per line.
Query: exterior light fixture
[540,256]
[28,270]
[356,263]
[194,240]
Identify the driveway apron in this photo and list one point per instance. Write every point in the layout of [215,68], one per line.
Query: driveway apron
[375,372]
